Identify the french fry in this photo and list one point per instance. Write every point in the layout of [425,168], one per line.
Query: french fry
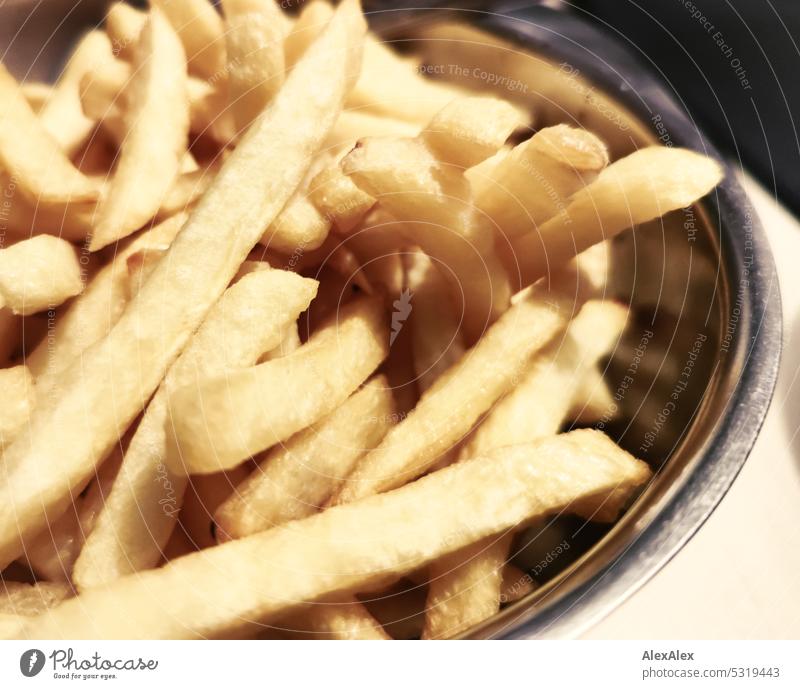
[38,274]
[400,609]
[62,444]
[299,226]
[447,411]
[465,587]
[52,554]
[37,93]
[157,129]
[124,25]
[638,188]
[376,244]
[62,115]
[342,620]
[353,125]
[30,156]
[201,31]
[295,478]
[29,600]
[534,181]
[437,342]
[136,523]
[17,386]
[593,400]
[95,311]
[310,23]
[254,35]
[469,130]
[337,198]
[257,407]
[434,204]
[383,537]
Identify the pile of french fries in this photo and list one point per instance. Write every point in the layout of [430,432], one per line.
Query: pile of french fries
[289,331]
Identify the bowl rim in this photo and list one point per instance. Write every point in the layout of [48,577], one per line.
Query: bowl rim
[623,77]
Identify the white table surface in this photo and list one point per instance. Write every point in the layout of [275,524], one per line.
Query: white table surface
[739,577]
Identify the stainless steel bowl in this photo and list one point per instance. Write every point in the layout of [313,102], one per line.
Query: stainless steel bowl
[696,372]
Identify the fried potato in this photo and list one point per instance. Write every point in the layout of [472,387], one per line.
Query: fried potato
[201,31]
[434,204]
[258,407]
[353,125]
[295,478]
[469,130]
[343,620]
[437,342]
[62,115]
[254,35]
[643,186]
[29,600]
[593,400]
[310,23]
[95,311]
[382,537]
[17,386]
[140,513]
[157,130]
[299,227]
[465,587]
[32,158]
[124,25]
[63,443]
[337,198]
[534,181]
[38,274]
[447,411]
[377,244]
[37,94]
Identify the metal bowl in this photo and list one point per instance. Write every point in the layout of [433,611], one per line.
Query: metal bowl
[695,373]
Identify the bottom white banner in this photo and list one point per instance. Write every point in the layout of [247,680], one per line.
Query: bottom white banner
[402,664]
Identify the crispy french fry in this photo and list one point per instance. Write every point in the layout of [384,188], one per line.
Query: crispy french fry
[383,537]
[434,204]
[437,342]
[299,227]
[643,186]
[62,116]
[593,400]
[157,129]
[447,411]
[140,512]
[254,35]
[342,620]
[312,20]
[258,407]
[201,31]
[469,130]
[465,587]
[337,198]
[353,125]
[295,478]
[535,180]
[38,274]
[17,386]
[186,190]
[95,311]
[32,158]
[29,600]
[124,25]
[62,444]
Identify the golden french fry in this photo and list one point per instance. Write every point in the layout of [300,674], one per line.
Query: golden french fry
[353,125]
[433,202]
[17,386]
[310,23]
[62,444]
[38,274]
[186,190]
[29,600]
[124,25]
[254,35]
[343,620]
[535,180]
[157,129]
[201,31]
[337,198]
[258,407]
[643,186]
[32,158]
[352,547]
[62,116]
[141,511]
[295,478]
[52,554]
[37,93]
[95,311]
[593,401]
[469,130]
[465,587]
[299,227]
[437,342]
[447,411]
